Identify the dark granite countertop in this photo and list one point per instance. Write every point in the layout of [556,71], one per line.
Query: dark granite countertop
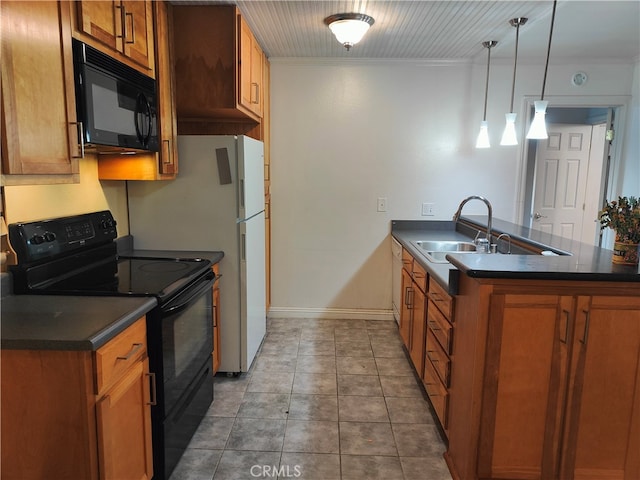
[48,322]
[585,262]
[409,231]
[52,322]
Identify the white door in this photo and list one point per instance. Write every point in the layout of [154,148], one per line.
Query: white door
[562,164]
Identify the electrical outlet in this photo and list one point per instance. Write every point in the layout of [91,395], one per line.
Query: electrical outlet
[428,209]
[382,204]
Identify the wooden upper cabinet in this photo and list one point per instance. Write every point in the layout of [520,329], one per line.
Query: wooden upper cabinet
[39,130]
[168,156]
[122,29]
[250,71]
[218,68]
[164,164]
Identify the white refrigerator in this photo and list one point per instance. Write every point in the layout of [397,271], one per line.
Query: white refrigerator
[215,203]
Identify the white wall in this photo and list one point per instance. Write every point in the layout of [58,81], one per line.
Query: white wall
[630,181]
[346,133]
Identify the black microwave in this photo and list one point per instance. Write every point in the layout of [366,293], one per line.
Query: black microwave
[116,105]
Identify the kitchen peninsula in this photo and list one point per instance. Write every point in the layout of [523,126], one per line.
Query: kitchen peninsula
[542,365]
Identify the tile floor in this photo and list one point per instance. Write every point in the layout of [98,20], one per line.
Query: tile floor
[324,400]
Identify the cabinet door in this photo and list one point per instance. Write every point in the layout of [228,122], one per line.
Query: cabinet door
[244,72]
[168,161]
[418,322]
[407,305]
[101,20]
[39,133]
[125,27]
[257,94]
[525,384]
[124,427]
[137,21]
[603,413]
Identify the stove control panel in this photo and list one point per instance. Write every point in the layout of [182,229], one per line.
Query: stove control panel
[47,239]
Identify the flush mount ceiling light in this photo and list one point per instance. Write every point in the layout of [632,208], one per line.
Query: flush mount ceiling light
[483,136]
[509,136]
[349,28]
[538,129]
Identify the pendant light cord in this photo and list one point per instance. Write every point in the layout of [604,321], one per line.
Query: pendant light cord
[546,67]
[515,65]
[488,45]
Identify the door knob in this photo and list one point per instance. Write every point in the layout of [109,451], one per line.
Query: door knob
[538,216]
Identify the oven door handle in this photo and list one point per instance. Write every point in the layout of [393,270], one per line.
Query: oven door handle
[205,285]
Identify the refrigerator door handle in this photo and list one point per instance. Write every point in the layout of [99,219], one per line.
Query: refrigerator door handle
[243,247]
[242,193]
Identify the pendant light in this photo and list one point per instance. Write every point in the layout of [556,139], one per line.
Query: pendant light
[349,28]
[509,136]
[483,136]
[538,129]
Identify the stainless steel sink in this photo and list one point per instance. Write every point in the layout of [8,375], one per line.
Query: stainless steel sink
[446,246]
[436,250]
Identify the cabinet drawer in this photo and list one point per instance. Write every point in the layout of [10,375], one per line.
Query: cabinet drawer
[440,328]
[407,261]
[438,358]
[437,393]
[114,358]
[441,298]
[419,275]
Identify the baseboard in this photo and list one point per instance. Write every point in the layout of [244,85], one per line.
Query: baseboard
[330,313]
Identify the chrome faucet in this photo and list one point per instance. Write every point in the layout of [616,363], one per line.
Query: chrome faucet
[456,216]
[508,238]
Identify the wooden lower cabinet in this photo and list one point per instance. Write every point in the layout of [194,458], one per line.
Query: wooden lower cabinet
[124,427]
[418,331]
[427,333]
[78,414]
[405,312]
[413,313]
[602,437]
[546,382]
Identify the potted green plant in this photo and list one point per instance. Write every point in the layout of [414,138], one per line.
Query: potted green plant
[623,216]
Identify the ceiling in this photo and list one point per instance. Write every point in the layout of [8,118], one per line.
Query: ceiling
[447,29]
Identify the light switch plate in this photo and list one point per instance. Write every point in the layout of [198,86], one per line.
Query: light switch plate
[428,209]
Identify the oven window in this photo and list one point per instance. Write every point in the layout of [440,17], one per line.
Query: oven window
[187,343]
[190,335]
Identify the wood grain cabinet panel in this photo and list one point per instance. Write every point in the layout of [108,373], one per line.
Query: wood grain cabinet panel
[546,381]
[603,413]
[39,129]
[525,384]
[121,29]
[219,70]
[71,416]
[408,293]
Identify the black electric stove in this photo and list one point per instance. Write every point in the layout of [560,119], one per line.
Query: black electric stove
[78,256]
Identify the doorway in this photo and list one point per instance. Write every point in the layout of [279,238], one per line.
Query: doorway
[568,181]
[567,176]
